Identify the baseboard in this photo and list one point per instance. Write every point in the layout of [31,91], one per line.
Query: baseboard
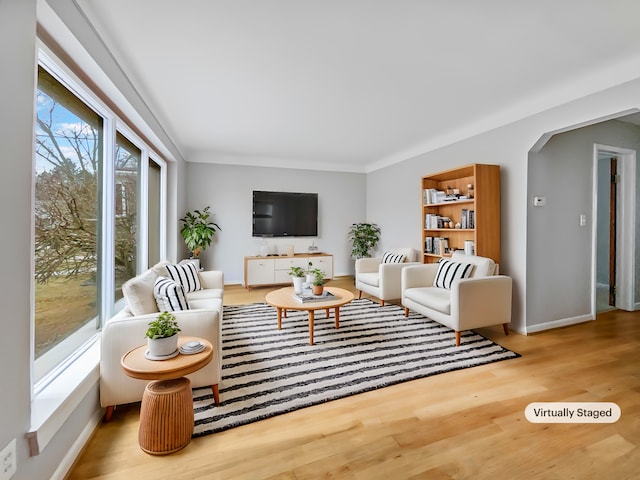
[69,460]
[564,322]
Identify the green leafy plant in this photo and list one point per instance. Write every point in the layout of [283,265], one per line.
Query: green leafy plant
[297,272]
[164,326]
[318,276]
[363,237]
[198,230]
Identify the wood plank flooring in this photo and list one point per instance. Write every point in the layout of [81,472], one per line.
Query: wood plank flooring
[468,424]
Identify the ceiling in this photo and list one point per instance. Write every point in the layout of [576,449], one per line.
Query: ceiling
[354,85]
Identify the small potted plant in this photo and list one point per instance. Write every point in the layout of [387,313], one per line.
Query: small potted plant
[298,274]
[318,281]
[162,335]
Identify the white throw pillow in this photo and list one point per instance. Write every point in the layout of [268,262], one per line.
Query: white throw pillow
[448,271]
[390,257]
[169,295]
[138,292]
[186,275]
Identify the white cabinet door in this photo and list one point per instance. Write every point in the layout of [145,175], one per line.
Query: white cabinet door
[324,263]
[260,271]
[283,267]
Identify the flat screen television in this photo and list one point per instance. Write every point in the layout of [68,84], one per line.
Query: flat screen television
[285,214]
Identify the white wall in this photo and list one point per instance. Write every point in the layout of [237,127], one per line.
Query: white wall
[17,57]
[559,248]
[507,146]
[228,191]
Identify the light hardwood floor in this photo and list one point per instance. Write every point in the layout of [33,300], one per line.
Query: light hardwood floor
[458,425]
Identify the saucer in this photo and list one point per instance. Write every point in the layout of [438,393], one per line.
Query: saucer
[160,357]
[191,348]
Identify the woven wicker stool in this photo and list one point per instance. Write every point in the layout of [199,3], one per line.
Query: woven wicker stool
[166,416]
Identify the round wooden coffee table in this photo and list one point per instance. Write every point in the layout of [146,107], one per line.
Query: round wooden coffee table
[283,300]
[166,412]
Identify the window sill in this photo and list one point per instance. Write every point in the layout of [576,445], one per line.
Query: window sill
[55,403]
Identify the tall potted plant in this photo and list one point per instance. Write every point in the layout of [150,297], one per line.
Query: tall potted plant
[363,237]
[198,230]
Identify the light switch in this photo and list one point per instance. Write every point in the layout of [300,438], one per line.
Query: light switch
[583,219]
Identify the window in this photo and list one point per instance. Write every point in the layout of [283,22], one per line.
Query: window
[89,219]
[127,175]
[68,156]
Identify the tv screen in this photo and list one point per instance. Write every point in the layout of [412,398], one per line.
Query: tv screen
[285,214]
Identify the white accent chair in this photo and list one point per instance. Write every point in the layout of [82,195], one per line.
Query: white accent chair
[126,330]
[382,280]
[482,300]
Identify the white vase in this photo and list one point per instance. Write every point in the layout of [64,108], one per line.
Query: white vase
[310,277]
[162,347]
[297,284]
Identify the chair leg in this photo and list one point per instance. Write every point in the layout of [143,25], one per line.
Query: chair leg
[406,312]
[216,394]
[382,303]
[109,413]
[457,338]
[505,327]
[359,294]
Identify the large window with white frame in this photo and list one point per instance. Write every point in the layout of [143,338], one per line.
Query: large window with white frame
[90,172]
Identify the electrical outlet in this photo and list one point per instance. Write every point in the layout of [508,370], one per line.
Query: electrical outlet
[8,461]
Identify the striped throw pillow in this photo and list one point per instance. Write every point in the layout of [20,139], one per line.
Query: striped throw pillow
[186,275]
[390,257]
[448,271]
[169,295]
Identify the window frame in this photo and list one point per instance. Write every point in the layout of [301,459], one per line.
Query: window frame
[106,290]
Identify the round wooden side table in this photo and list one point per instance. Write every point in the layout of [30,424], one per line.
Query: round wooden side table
[166,412]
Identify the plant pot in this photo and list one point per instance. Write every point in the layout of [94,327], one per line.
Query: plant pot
[318,289]
[297,284]
[162,347]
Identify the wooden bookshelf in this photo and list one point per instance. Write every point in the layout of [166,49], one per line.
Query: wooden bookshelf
[482,212]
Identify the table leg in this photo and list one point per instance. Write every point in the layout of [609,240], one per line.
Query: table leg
[279,313]
[337,312]
[166,416]
[311,320]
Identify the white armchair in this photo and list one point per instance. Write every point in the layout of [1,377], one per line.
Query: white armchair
[480,300]
[126,330]
[381,279]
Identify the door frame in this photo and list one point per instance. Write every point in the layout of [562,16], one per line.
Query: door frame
[625,236]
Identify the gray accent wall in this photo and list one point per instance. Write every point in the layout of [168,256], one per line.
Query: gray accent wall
[559,249]
[228,189]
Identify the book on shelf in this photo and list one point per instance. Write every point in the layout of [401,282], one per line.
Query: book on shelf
[432,195]
[308,296]
[436,245]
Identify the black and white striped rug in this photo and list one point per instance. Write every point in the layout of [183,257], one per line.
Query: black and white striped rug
[267,372]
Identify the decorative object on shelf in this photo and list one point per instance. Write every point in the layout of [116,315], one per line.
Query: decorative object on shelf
[162,337]
[298,275]
[470,190]
[363,237]
[264,249]
[197,230]
[313,248]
